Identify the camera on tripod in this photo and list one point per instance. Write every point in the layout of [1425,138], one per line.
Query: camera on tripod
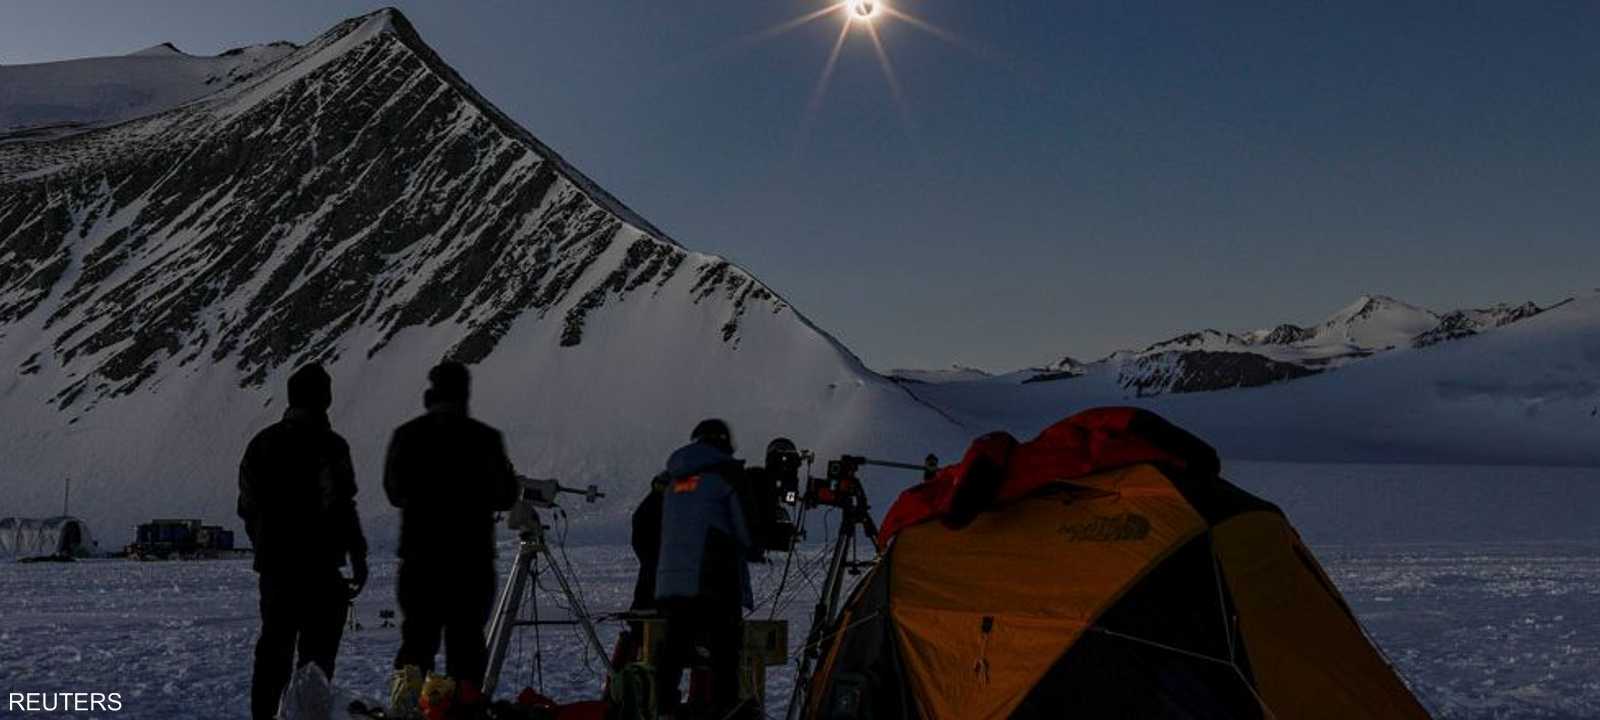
[533,558]
[769,495]
[534,494]
[840,488]
[782,495]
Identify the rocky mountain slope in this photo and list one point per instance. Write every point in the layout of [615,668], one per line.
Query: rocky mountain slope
[355,201]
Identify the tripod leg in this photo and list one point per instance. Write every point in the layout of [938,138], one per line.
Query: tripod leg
[579,613]
[834,585]
[827,606]
[538,637]
[802,676]
[505,616]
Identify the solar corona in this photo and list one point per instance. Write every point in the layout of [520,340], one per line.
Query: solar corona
[865,15]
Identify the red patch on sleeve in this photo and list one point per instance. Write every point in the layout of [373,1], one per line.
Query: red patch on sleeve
[686,485]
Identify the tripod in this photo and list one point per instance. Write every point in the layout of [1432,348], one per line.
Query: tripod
[524,583]
[844,491]
[855,516]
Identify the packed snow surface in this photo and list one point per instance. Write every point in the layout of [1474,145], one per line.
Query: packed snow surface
[1496,630]
[1487,607]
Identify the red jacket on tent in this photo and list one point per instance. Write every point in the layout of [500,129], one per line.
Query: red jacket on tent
[997,469]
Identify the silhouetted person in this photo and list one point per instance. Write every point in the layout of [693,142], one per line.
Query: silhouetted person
[448,474]
[646,541]
[701,578]
[297,495]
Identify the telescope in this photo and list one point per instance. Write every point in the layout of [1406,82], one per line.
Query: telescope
[780,503]
[542,492]
[841,487]
[534,494]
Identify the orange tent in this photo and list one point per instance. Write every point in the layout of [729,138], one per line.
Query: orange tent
[1103,569]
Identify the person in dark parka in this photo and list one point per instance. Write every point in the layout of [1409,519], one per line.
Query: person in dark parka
[297,499]
[701,579]
[646,541]
[449,475]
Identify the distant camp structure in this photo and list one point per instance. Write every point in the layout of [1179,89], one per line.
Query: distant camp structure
[56,538]
[1103,569]
[180,539]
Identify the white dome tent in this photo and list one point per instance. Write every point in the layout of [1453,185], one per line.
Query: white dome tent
[61,536]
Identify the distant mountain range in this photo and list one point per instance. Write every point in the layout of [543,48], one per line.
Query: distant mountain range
[1379,381]
[1209,360]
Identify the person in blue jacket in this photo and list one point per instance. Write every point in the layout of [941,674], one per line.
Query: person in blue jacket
[702,583]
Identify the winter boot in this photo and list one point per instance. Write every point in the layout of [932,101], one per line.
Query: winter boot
[405,692]
[438,695]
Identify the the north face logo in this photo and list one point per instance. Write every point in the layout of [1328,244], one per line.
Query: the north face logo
[1116,528]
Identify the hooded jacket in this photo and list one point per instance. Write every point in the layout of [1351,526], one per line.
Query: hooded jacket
[704,539]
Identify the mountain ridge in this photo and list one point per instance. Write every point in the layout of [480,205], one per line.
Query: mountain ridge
[644,262]
[356,203]
[1210,359]
[1524,393]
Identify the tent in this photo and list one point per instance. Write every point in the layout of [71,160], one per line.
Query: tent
[62,536]
[1103,569]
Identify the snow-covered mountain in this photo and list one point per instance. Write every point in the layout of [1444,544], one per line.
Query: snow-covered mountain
[1211,360]
[1458,324]
[1526,392]
[60,98]
[1373,322]
[355,201]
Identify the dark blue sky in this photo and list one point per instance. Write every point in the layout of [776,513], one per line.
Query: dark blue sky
[1086,176]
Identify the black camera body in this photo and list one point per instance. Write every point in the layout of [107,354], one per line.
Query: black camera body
[840,488]
[776,501]
[768,494]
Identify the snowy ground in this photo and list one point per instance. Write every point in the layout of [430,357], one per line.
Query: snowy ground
[1483,624]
